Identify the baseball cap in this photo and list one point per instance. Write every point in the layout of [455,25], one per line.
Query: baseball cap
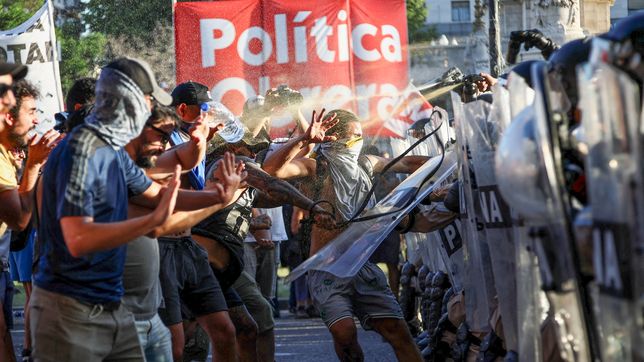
[191,93]
[17,71]
[141,73]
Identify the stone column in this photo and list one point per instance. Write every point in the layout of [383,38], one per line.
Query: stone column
[477,50]
[595,15]
[559,20]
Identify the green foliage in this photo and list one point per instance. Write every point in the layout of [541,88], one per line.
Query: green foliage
[16,12]
[416,16]
[131,18]
[81,56]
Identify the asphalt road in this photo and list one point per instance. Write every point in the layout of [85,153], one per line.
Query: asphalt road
[297,340]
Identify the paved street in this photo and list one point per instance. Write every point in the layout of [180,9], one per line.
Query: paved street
[309,340]
[297,340]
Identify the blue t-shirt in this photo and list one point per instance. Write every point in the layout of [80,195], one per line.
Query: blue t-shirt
[197,175]
[85,176]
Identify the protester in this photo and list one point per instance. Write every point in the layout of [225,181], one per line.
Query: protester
[343,178]
[15,140]
[141,271]
[8,74]
[186,277]
[76,309]
[23,118]
[79,103]
[261,257]
[222,234]
[80,94]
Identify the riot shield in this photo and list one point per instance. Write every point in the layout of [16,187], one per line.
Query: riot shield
[610,100]
[520,94]
[558,259]
[483,134]
[451,251]
[479,285]
[347,253]
[516,169]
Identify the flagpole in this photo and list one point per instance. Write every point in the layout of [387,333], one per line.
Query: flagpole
[174,44]
[55,55]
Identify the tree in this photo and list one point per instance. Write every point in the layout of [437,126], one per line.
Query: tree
[128,18]
[16,12]
[80,56]
[158,52]
[416,16]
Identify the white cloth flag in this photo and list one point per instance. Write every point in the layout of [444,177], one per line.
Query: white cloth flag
[33,43]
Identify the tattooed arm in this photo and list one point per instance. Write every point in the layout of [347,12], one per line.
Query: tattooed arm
[274,192]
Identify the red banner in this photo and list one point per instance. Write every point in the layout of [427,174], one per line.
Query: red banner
[348,54]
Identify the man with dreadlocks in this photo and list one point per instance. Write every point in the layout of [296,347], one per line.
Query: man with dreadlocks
[340,175]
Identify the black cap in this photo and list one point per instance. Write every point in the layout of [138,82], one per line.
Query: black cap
[17,71]
[190,93]
[139,71]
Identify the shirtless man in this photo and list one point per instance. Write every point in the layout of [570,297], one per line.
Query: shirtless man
[341,176]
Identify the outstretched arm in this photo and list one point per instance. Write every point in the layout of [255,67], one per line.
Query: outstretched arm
[282,163]
[84,236]
[183,220]
[188,200]
[275,192]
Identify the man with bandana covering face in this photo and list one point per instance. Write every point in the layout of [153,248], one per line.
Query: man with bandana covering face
[76,311]
[343,177]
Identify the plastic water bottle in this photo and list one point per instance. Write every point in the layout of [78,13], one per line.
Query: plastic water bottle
[215,114]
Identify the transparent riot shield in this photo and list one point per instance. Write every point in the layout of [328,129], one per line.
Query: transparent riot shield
[558,259]
[483,134]
[478,286]
[451,251]
[610,100]
[347,253]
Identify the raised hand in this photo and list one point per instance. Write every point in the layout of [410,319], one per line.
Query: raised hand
[316,133]
[230,176]
[166,205]
[39,150]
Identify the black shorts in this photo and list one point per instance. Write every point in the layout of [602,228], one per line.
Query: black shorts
[227,276]
[186,278]
[231,296]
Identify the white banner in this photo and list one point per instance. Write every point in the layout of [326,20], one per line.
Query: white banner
[33,43]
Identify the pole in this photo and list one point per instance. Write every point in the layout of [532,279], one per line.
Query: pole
[55,55]
[495,38]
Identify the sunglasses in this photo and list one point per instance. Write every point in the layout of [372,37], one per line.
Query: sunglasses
[4,89]
[165,136]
